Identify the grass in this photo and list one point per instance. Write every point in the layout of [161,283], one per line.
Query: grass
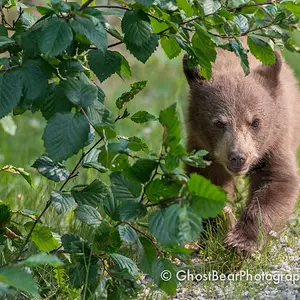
[166,85]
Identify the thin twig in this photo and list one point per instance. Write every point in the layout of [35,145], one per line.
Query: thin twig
[110,6]
[85,4]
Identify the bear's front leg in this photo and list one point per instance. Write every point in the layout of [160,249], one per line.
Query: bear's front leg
[273,194]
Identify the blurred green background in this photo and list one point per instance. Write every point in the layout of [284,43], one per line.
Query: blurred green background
[166,85]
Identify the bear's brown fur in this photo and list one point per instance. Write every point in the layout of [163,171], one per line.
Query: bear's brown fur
[250,125]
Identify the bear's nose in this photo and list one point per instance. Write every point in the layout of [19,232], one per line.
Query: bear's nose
[237,160]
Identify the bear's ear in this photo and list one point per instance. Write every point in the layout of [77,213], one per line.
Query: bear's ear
[270,73]
[191,74]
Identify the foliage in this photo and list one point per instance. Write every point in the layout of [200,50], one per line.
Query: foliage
[141,209]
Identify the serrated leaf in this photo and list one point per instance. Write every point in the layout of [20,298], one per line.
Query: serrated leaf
[111,205]
[144,51]
[91,161]
[62,201]
[5,42]
[10,92]
[104,64]
[146,255]
[159,189]
[42,236]
[94,31]
[55,101]
[208,200]
[73,243]
[142,169]
[292,6]
[170,46]
[127,234]
[131,210]
[142,116]
[18,278]
[56,36]
[5,215]
[106,238]
[71,67]
[125,67]
[242,23]
[211,6]
[136,27]
[93,194]
[41,259]
[124,189]
[79,92]
[136,87]
[88,214]
[205,50]
[261,50]
[123,262]
[238,49]
[34,71]
[65,134]
[53,171]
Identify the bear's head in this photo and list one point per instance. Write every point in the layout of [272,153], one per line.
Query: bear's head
[233,116]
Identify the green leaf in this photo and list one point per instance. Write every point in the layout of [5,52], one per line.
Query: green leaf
[196,159]
[144,51]
[79,92]
[164,274]
[106,238]
[124,189]
[186,7]
[136,27]
[65,134]
[131,210]
[125,67]
[42,236]
[210,7]
[10,92]
[53,171]
[146,255]
[71,67]
[20,171]
[93,194]
[62,201]
[94,31]
[170,46]
[104,64]
[41,259]
[163,224]
[204,49]
[145,2]
[123,262]
[261,50]
[292,6]
[34,71]
[5,42]
[208,200]
[55,102]
[142,116]
[18,278]
[56,36]
[136,87]
[91,161]
[100,115]
[5,215]
[3,30]
[72,243]
[159,189]
[237,48]
[88,214]
[128,234]
[143,168]
[111,205]
[242,23]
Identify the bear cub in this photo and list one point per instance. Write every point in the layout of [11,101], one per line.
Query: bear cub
[249,125]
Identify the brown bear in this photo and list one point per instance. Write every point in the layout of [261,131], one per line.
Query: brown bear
[249,125]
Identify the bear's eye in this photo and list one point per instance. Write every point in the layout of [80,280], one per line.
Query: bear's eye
[219,124]
[255,123]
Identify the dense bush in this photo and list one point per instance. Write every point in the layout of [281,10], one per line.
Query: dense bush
[150,208]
